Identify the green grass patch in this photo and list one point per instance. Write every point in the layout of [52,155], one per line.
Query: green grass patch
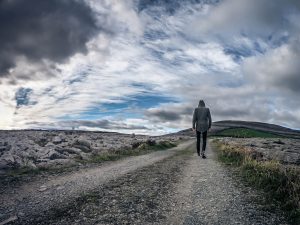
[281,183]
[246,133]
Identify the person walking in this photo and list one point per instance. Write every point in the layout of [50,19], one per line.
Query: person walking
[201,124]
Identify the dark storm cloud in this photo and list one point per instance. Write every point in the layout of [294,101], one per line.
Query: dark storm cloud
[168,114]
[170,6]
[164,115]
[36,29]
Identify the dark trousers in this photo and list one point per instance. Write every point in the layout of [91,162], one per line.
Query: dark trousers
[204,137]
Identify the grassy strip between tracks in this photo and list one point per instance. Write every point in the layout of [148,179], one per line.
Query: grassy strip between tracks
[143,148]
[280,182]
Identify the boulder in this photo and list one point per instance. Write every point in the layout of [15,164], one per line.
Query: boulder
[57,140]
[42,141]
[7,161]
[52,154]
[83,145]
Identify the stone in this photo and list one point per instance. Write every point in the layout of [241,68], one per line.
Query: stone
[42,141]
[55,155]
[43,188]
[7,161]
[3,148]
[57,140]
[68,150]
[83,145]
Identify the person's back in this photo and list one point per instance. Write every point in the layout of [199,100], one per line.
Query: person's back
[202,117]
[202,123]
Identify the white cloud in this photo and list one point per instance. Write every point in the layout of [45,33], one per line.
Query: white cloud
[277,69]
[180,55]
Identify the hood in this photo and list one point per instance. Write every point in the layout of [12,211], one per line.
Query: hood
[201,103]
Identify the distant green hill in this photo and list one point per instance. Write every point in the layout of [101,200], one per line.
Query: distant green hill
[245,133]
[236,128]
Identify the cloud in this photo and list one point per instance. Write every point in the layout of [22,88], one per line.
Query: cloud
[163,115]
[236,55]
[257,18]
[35,31]
[173,115]
[277,69]
[102,124]
[89,124]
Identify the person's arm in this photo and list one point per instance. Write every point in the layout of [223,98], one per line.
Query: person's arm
[209,119]
[194,119]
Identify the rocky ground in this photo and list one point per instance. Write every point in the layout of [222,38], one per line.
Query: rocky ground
[164,187]
[285,150]
[43,149]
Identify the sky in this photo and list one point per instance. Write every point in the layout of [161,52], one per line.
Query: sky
[141,66]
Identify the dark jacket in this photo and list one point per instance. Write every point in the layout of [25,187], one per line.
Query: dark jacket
[201,118]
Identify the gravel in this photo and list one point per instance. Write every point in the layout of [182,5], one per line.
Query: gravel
[212,194]
[35,199]
[167,187]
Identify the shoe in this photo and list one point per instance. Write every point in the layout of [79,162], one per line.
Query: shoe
[203,156]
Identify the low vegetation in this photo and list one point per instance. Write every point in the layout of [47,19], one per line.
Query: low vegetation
[139,149]
[245,133]
[280,182]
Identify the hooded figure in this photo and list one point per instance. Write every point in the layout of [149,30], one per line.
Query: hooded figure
[202,122]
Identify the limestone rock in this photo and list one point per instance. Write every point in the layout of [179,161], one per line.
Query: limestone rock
[7,161]
[83,145]
[57,140]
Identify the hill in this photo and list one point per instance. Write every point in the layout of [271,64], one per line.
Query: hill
[250,128]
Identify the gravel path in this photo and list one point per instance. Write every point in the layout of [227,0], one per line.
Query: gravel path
[36,199]
[166,187]
[211,194]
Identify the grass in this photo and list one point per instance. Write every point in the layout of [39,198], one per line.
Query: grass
[246,133]
[280,182]
[23,171]
[143,148]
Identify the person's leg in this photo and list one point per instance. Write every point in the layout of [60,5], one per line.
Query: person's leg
[204,137]
[198,142]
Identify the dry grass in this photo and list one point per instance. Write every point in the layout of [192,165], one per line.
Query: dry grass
[280,182]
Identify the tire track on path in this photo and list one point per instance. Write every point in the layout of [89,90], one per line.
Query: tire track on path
[210,194]
[28,201]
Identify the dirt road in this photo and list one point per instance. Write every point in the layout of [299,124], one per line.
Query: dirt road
[164,187]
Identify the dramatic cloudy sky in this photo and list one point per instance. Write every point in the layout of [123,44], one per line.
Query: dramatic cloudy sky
[142,65]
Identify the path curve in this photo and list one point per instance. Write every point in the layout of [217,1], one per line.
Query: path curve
[37,198]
